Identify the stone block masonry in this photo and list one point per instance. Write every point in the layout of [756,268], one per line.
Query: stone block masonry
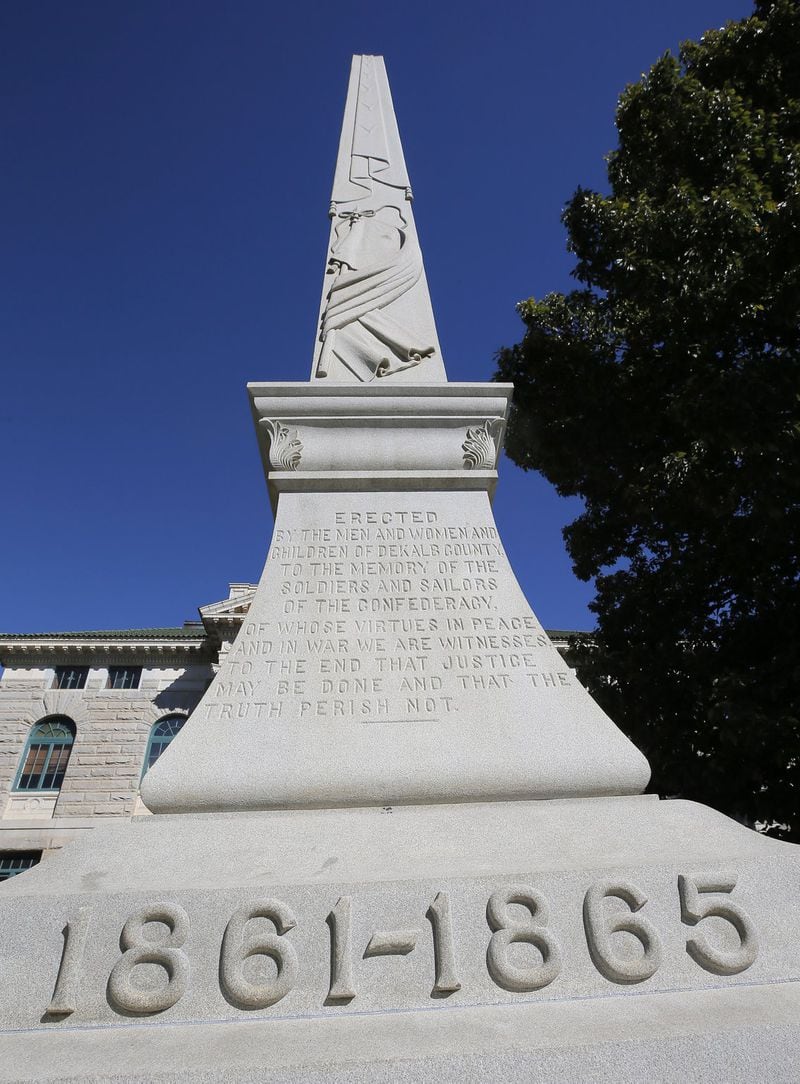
[112,730]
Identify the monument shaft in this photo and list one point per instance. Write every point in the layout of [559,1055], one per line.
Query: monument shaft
[376,318]
[389,655]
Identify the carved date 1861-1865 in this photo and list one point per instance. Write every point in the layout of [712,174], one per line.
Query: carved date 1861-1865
[515,914]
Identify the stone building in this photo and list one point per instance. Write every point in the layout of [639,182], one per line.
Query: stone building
[84,714]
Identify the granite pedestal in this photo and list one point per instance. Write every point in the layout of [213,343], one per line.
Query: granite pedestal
[571,940]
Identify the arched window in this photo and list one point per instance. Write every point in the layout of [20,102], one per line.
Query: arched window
[160,736]
[46,755]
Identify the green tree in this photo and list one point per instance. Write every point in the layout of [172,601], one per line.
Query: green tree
[665,391]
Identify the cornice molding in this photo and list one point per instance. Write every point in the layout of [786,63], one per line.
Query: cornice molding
[114,651]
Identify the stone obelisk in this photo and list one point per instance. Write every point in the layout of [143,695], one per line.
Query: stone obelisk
[389,655]
[397,840]
[376,318]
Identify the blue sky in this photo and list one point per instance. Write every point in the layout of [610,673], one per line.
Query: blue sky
[167,169]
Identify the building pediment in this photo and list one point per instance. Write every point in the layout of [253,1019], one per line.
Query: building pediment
[230,610]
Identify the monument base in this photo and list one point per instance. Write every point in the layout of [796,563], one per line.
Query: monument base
[593,939]
[747,1034]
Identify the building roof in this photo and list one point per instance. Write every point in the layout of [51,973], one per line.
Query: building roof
[192,630]
[189,641]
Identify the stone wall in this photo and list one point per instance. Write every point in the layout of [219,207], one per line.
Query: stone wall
[112,730]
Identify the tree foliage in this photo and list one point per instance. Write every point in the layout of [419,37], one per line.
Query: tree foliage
[665,391]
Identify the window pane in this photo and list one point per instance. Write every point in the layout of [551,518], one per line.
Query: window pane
[53,776]
[160,737]
[47,755]
[71,677]
[14,862]
[34,763]
[53,729]
[124,677]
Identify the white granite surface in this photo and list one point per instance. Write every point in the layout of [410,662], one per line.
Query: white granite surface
[413,939]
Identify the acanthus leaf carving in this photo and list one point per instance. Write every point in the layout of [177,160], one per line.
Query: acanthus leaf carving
[480,448]
[285,447]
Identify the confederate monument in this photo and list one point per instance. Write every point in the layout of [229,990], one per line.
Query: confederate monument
[397,839]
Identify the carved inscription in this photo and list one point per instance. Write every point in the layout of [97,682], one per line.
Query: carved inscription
[509,930]
[383,617]
[64,999]
[441,922]
[259,963]
[341,926]
[600,924]
[162,949]
[391,943]
[240,943]
[694,908]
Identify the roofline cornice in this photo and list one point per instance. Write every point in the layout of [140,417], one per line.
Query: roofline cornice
[42,648]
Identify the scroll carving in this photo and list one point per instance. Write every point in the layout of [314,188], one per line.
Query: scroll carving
[480,447]
[285,447]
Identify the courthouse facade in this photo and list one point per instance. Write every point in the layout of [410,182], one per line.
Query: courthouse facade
[84,714]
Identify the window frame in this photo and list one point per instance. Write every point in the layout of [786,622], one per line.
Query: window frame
[49,744]
[81,670]
[114,670]
[152,738]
